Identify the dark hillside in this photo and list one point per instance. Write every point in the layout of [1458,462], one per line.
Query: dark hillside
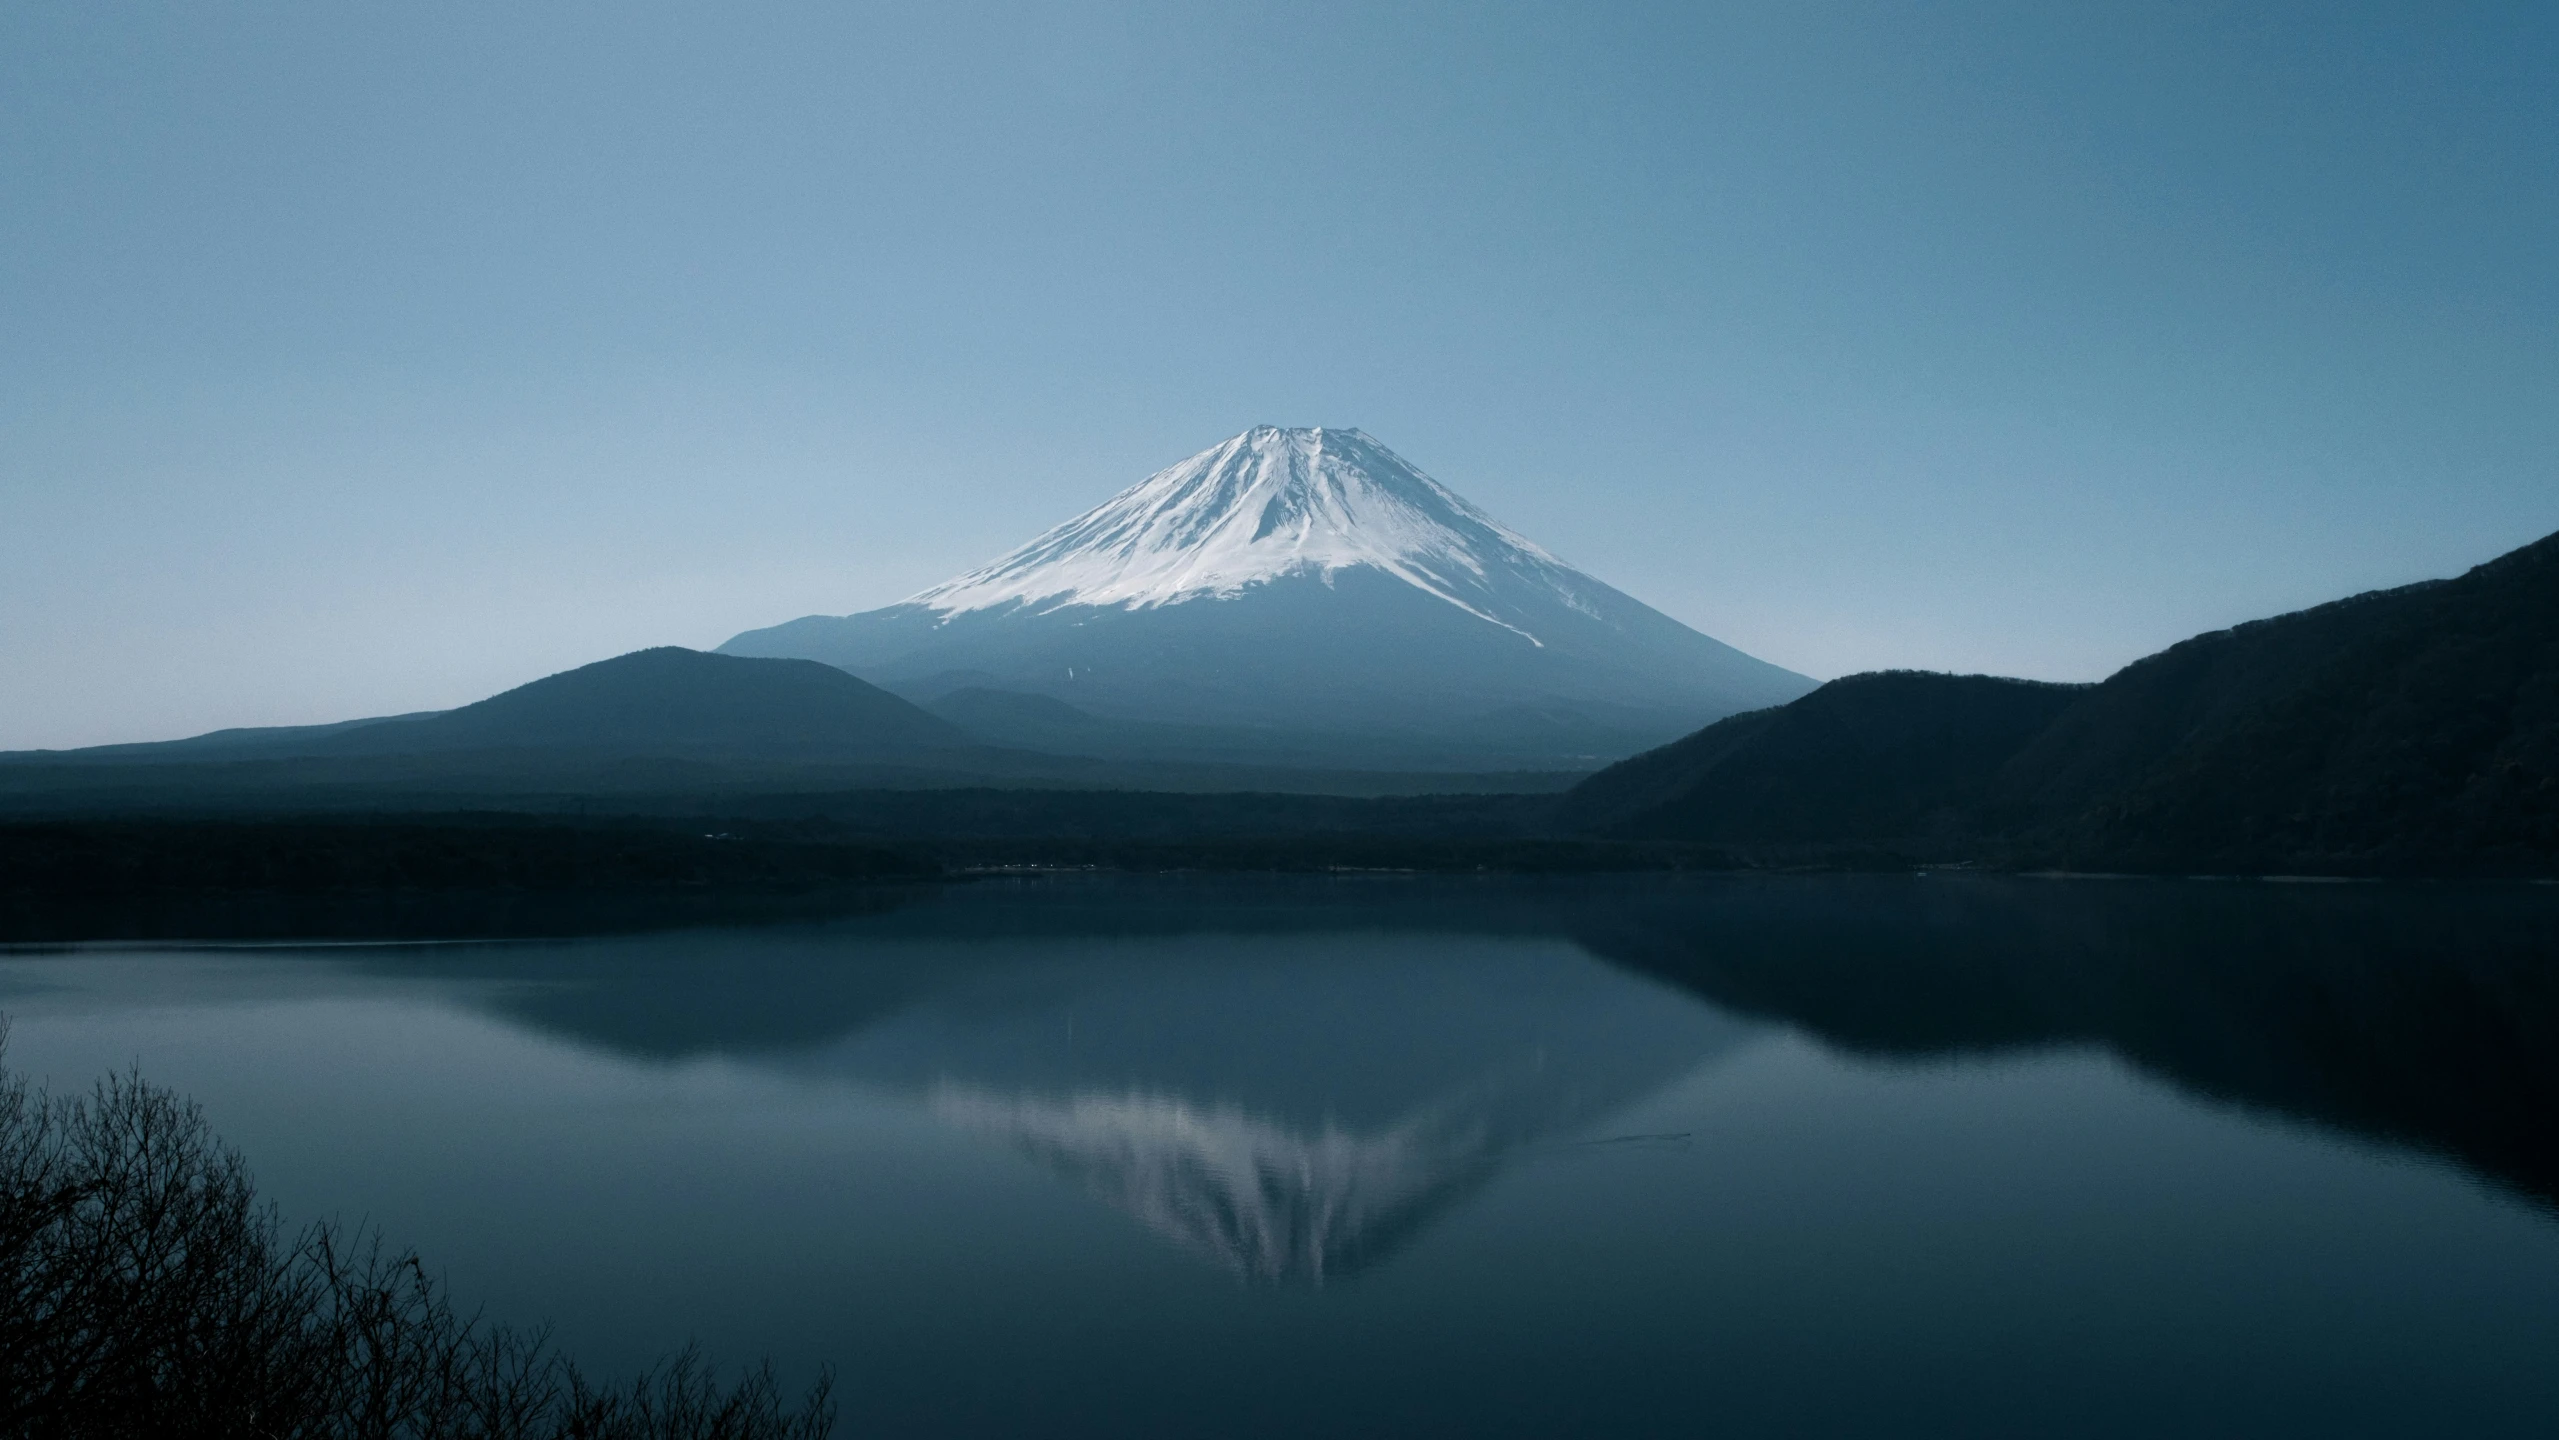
[1630,791]
[2407,729]
[1896,756]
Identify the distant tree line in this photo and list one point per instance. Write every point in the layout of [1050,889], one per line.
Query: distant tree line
[454,852]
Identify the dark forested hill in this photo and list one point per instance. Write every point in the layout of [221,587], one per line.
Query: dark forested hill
[2407,730]
[2392,730]
[1890,756]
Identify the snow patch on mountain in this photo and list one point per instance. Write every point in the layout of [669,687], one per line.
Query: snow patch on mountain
[1266,505]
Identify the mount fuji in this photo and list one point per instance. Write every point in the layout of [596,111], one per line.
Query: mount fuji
[1293,594]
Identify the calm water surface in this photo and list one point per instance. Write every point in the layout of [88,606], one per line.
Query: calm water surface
[1822,1157]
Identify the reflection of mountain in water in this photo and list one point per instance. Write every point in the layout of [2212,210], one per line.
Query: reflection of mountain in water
[1293,1087]
[1294,1107]
[1269,1200]
[1235,1061]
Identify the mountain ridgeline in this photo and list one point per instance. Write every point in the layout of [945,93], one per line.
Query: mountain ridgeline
[665,703]
[672,701]
[2408,730]
[1308,654]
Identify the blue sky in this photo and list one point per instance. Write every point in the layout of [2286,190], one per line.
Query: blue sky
[364,359]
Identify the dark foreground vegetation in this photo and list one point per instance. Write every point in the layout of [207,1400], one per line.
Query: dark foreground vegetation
[148,1293]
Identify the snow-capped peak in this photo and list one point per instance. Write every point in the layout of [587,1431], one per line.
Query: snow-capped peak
[1264,505]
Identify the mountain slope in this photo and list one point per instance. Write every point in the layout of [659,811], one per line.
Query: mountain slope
[1295,580]
[2406,730]
[665,702]
[675,727]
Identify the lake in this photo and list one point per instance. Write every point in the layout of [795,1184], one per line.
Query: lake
[1898,1155]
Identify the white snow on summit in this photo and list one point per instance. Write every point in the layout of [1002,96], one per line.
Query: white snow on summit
[1268,504]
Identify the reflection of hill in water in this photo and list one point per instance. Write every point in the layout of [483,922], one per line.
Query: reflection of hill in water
[2422,1015]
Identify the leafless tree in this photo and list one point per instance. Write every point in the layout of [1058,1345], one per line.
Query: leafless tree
[145,1292]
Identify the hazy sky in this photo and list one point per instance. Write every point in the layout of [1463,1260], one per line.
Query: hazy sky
[358,359]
